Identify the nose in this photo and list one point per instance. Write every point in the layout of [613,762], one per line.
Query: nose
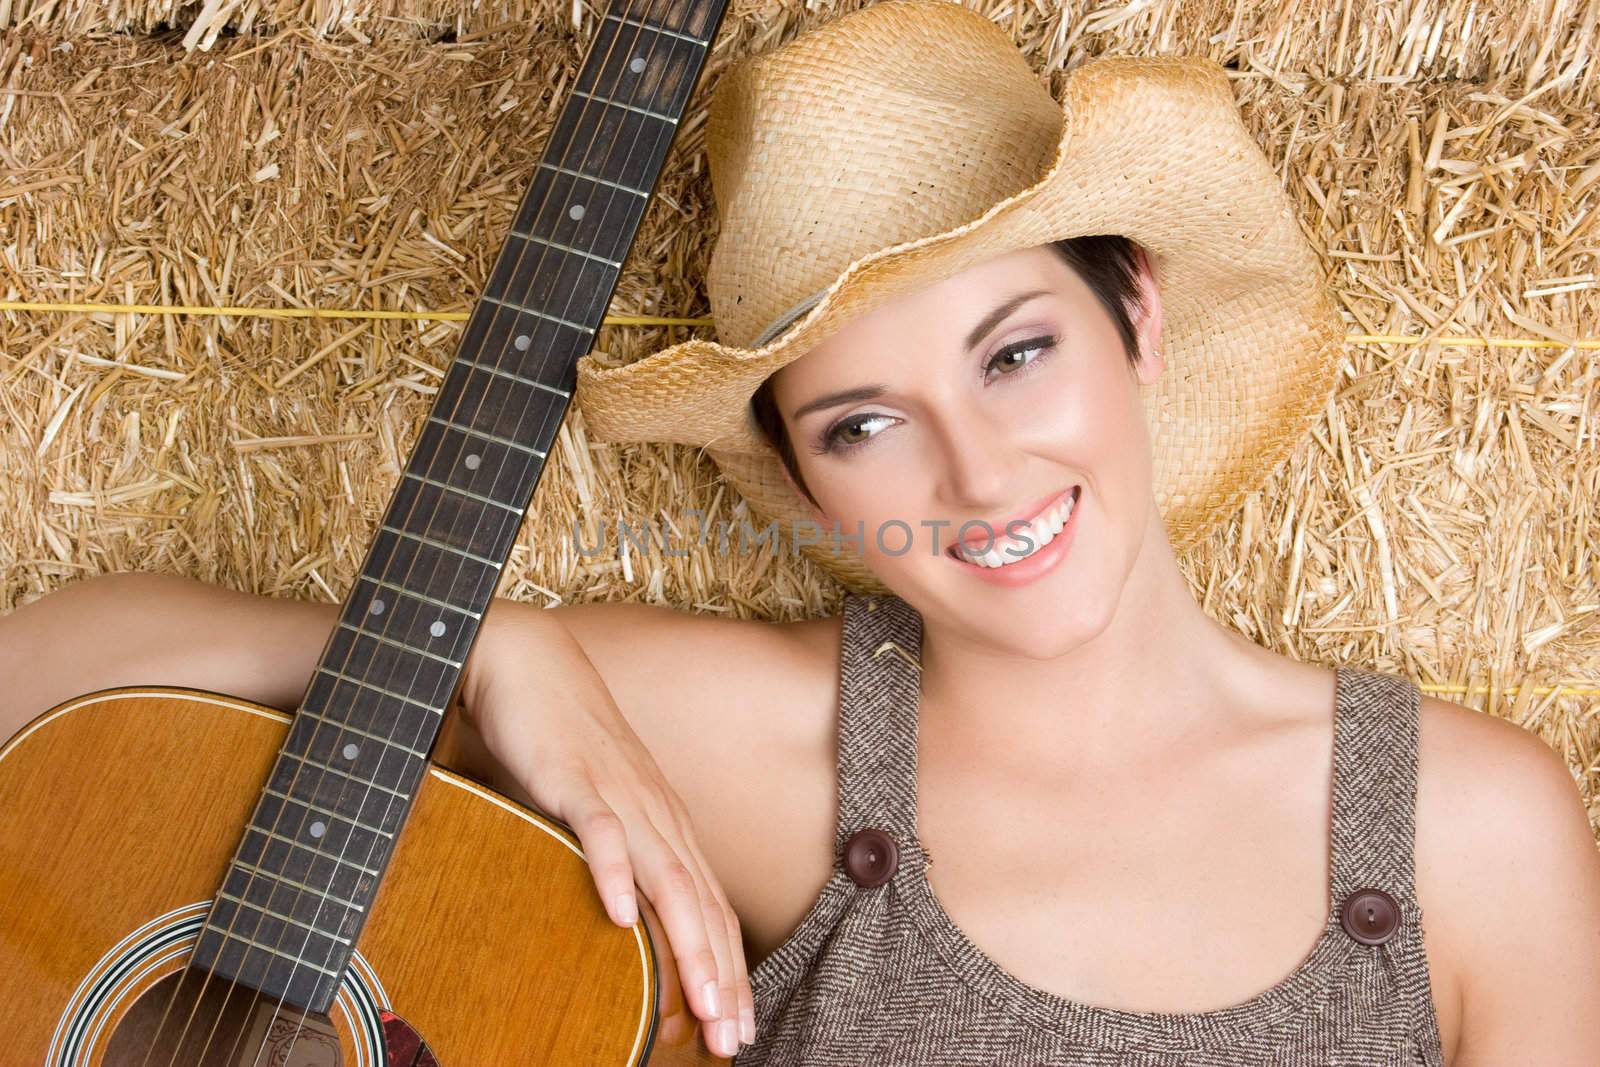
[981,464]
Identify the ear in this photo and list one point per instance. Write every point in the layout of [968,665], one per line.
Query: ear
[1152,361]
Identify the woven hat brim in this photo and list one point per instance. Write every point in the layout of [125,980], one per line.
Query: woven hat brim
[1153,148]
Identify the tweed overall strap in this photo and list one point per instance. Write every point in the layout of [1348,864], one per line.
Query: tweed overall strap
[880,682]
[1376,729]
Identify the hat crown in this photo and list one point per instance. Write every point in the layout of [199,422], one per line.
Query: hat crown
[898,120]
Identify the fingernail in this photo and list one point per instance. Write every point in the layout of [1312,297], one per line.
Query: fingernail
[730,1038]
[710,991]
[628,909]
[747,1026]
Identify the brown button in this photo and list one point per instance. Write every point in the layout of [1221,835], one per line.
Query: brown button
[1370,916]
[870,857]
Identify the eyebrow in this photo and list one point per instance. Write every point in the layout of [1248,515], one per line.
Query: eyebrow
[978,333]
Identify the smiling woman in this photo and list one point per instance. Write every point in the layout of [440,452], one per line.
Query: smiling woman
[986,413]
[1021,354]
[1034,348]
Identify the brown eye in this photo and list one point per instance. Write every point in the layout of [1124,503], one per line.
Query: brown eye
[1010,359]
[844,435]
[839,439]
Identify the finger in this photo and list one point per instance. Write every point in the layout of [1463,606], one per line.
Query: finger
[734,992]
[676,1024]
[742,990]
[723,1032]
[696,929]
[605,849]
[673,888]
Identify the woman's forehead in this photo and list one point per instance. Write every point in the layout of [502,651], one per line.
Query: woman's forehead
[949,309]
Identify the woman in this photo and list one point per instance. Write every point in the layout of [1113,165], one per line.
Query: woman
[1138,859]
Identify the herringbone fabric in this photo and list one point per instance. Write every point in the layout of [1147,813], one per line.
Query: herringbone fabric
[883,976]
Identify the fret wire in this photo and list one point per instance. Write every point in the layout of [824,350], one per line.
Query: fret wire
[364,684]
[391,642]
[311,848]
[487,436]
[358,731]
[441,546]
[469,494]
[597,181]
[631,107]
[352,776]
[225,895]
[658,29]
[567,248]
[469,582]
[329,812]
[540,314]
[278,876]
[476,616]
[400,645]
[514,376]
[230,935]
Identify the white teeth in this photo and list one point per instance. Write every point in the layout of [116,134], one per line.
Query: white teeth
[1041,532]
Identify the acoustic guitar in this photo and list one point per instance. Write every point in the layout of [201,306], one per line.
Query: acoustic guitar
[191,879]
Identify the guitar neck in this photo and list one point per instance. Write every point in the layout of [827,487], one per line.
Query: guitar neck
[358,746]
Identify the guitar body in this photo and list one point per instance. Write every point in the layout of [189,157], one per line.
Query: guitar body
[487,942]
[192,880]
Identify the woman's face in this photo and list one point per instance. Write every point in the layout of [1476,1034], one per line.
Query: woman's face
[986,411]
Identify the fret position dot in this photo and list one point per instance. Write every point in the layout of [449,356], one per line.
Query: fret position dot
[576,211]
[376,607]
[318,829]
[522,342]
[437,629]
[351,752]
[473,461]
[637,66]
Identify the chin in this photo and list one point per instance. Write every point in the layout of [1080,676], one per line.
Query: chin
[1068,615]
[1053,637]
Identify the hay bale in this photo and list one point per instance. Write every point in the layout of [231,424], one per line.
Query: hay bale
[1440,521]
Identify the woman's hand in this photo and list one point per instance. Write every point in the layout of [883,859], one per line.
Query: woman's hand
[574,756]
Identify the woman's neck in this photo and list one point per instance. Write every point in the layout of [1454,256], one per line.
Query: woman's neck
[1159,668]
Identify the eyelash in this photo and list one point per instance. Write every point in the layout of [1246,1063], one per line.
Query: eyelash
[827,442]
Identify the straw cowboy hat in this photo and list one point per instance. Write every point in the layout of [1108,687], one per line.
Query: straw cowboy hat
[895,146]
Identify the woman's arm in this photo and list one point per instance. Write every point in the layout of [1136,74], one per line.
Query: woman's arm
[156,629]
[135,628]
[1515,889]
[573,748]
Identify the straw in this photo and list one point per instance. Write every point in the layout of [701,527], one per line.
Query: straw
[1439,520]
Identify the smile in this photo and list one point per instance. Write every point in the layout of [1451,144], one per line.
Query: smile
[995,555]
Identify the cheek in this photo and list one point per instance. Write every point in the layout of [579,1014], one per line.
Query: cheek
[1081,418]
[872,488]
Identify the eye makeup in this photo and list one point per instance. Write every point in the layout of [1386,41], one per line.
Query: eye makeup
[828,441]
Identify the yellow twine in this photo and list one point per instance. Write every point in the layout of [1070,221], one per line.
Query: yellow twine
[663,320]
[1507,690]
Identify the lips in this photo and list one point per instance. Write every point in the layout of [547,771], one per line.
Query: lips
[980,534]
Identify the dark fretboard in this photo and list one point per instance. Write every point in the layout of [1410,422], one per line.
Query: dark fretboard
[298,890]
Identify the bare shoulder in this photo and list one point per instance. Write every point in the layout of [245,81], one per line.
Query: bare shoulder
[701,671]
[1509,878]
[741,717]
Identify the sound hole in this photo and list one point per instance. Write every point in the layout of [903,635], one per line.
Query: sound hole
[185,1021]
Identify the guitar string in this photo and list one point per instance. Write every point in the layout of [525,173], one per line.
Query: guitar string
[494,480]
[244,893]
[463,443]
